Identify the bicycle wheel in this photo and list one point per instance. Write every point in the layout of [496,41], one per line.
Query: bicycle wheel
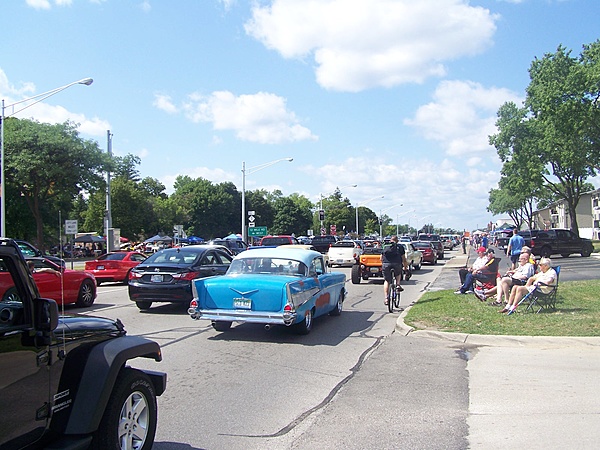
[392,293]
[397,300]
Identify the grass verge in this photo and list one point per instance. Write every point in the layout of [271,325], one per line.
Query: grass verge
[577,314]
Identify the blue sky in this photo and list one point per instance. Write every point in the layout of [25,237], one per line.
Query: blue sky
[395,96]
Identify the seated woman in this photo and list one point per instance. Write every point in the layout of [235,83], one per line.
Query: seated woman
[516,277]
[544,280]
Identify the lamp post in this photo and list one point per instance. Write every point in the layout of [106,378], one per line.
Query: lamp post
[364,204]
[398,220]
[250,171]
[326,195]
[38,98]
[108,221]
[381,211]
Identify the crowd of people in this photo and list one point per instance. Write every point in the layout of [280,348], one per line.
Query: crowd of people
[485,280]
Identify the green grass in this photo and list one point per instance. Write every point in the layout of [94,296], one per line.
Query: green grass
[577,314]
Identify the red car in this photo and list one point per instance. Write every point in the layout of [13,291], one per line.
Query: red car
[429,253]
[114,266]
[62,285]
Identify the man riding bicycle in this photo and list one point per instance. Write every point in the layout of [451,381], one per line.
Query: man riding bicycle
[392,257]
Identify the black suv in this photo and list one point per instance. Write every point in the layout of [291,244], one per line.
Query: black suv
[556,241]
[65,381]
[322,243]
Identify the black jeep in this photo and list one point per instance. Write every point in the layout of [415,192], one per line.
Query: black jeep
[64,381]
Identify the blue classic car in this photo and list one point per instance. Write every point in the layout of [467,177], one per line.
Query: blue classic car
[272,286]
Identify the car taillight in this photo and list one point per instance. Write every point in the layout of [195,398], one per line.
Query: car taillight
[133,275]
[186,275]
[194,304]
[288,308]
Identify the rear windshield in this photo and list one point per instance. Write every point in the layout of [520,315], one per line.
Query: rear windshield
[344,244]
[275,241]
[112,257]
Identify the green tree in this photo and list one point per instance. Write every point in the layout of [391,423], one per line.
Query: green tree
[48,166]
[553,141]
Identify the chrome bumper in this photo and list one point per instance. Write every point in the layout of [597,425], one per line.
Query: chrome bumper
[238,315]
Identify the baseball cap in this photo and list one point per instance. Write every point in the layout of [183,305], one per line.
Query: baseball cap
[481,250]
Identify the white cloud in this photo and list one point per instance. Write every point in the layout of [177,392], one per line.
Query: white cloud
[432,188]
[46,4]
[164,103]
[215,175]
[261,117]
[461,116]
[145,6]
[360,44]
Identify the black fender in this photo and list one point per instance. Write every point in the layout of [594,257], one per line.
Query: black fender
[102,367]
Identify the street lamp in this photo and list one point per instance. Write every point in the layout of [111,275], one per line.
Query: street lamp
[327,195]
[364,204]
[250,171]
[381,211]
[398,220]
[38,98]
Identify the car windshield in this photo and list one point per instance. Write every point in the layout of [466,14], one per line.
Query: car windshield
[275,241]
[267,266]
[344,244]
[112,257]
[422,244]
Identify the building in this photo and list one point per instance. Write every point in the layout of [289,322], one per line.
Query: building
[556,215]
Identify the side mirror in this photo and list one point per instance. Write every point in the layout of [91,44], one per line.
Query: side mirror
[45,314]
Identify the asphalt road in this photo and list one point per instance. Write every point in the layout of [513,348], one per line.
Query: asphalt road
[356,382]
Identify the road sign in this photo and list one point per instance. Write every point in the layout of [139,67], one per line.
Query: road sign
[70,227]
[257,231]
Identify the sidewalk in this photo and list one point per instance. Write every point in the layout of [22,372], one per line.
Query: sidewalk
[531,392]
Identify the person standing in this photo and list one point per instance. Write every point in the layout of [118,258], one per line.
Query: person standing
[392,257]
[515,245]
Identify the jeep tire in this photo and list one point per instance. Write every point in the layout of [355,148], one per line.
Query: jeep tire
[356,275]
[129,421]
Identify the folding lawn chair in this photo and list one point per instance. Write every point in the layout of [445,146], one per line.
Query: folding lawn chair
[538,300]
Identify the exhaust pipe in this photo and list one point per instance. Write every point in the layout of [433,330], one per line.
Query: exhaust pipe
[267,326]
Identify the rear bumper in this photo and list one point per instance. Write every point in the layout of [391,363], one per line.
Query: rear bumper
[237,315]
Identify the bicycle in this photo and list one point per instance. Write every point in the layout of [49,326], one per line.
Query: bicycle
[393,294]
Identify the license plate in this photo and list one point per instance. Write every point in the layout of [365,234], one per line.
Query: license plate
[100,268]
[242,303]
[156,278]
[339,261]
[374,269]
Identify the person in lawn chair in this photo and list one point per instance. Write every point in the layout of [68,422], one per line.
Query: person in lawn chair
[485,275]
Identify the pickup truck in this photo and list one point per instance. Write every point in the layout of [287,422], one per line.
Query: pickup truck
[557,241]
[322,243]
[66,380]
[344,253]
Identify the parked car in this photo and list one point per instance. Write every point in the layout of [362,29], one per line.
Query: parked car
[435,239]
[55,367]
[29,250]
[448,241]
[308,247]
[69,286]
[234,245]
[166,276]
[344,253]
[270,286]
[114,266]
[322,243]
[428,251]
[278,240]
[556,241]
[414,256]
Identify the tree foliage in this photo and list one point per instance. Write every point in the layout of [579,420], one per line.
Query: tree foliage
[47,166]
[550,146]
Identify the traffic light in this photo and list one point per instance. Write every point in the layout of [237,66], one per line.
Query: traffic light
[321,214]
